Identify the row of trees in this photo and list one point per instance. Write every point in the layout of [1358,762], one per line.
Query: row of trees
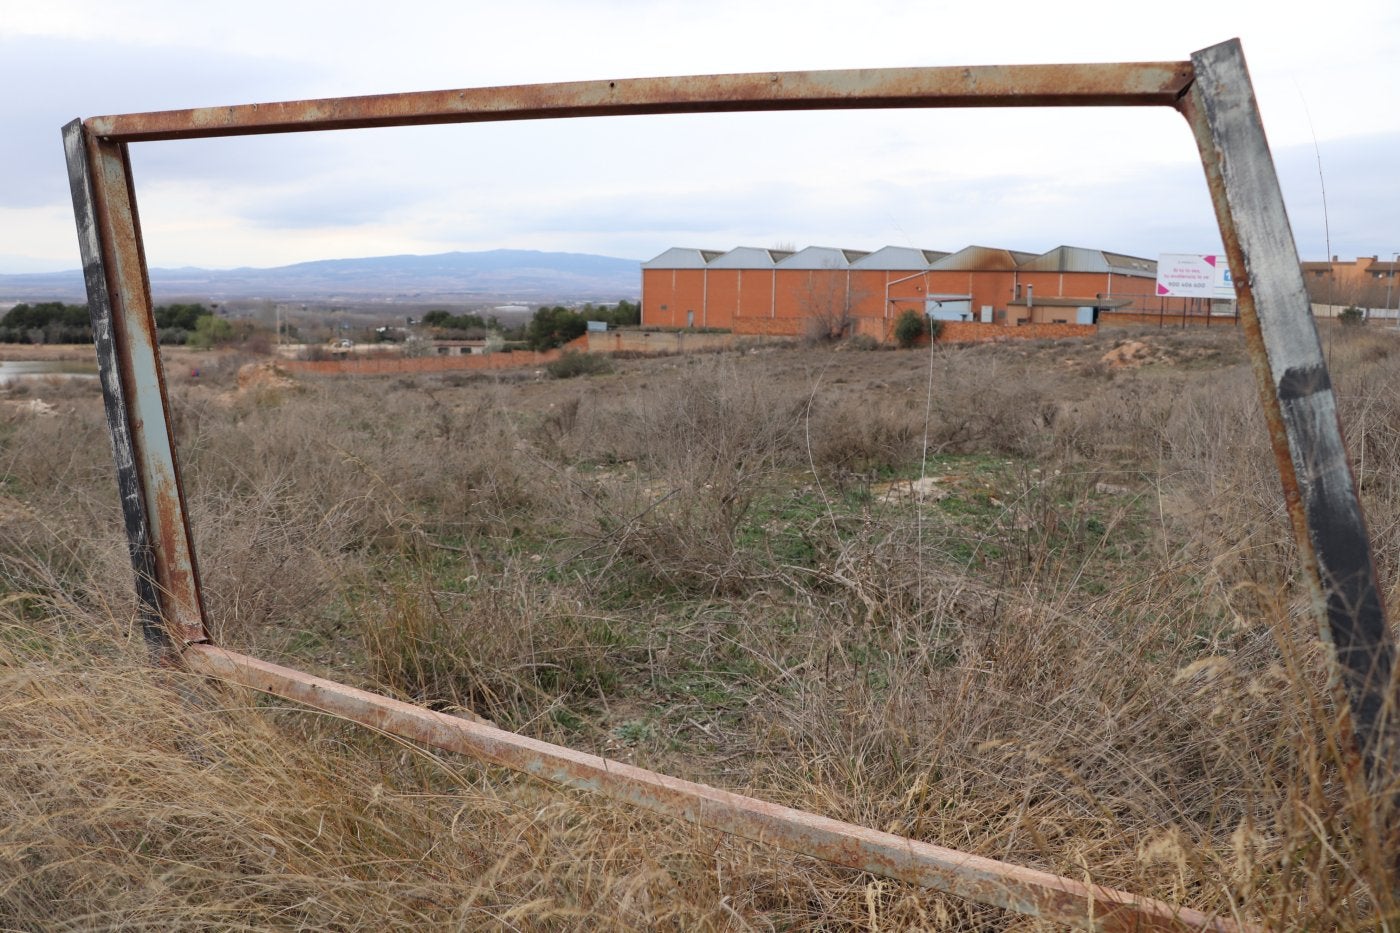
[55,322]
[198,325]
[473,324]
[46,322]
[552,327]
[549,327]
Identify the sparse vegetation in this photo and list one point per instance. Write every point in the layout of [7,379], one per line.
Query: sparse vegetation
[46,322]
[909,327]
[553,327]
[573,363]
[467,325]
[1013,599]
[55,322]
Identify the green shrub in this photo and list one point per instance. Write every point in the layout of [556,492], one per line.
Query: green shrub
[909,327]
[552,327]
[573,363]
[1351,315]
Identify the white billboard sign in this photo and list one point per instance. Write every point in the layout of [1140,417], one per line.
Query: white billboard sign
[1193,275]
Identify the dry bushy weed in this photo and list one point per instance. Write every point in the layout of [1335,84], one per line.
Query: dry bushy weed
[1009,599]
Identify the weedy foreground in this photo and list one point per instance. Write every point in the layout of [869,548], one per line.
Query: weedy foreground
[1037,602]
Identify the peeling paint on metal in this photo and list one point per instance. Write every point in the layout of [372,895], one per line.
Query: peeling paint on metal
[133,384]
[1117,85]
[1299,405]
[988,881]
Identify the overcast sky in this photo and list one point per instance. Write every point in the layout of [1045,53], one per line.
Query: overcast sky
[1327,78]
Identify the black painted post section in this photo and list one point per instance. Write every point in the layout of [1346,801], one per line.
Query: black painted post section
[1299,403]
[129,487]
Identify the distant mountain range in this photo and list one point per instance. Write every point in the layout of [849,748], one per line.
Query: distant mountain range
[527,276]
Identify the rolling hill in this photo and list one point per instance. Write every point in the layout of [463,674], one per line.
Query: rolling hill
[528,276]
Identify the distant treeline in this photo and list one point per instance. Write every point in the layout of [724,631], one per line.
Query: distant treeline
[47,322]
[466,323]
[55,322]
[549,327]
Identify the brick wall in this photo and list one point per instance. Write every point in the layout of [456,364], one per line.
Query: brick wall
[974,332]
[1149,319]
[770,326]
[393,365]
[655,341]
[389,365]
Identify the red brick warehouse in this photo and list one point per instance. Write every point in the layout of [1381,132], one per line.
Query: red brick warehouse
[821,291]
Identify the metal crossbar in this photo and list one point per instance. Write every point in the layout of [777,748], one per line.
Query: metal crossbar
[1212,91]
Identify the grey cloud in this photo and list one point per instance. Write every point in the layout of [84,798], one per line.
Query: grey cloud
[1363,195]
[330,204]
[1020,211]
[50,82]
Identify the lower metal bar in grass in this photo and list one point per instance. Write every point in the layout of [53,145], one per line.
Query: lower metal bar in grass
[987,881]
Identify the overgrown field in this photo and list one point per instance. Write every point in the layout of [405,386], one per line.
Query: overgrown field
[1008,599]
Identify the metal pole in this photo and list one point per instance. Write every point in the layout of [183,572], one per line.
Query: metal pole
[988,881]
[1299,405]
[133,384]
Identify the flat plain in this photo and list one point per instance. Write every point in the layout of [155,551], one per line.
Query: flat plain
[1036,601]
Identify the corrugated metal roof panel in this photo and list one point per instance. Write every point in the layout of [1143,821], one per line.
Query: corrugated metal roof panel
[902,258]
[1080,259]
[895,258]
[818,257]
[980,259]
[1067,259]
[682,257]
[1121,264]
[748,257]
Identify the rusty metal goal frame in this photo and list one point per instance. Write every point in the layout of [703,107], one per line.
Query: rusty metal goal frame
[1212,91]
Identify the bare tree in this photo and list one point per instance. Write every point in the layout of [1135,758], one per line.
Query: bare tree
[828,304]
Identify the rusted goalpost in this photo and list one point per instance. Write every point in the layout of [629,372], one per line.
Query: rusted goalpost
[1212,91]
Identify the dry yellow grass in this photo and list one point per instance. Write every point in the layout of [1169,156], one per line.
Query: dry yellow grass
[1087,654]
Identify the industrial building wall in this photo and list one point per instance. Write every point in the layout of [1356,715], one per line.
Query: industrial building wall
[1063,284]
[800,302]
[797,301]
[1141,290]
[721,298]
[810,299]
[873,286]
[986,288]
[658,296]
[668,294]
[756,293]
